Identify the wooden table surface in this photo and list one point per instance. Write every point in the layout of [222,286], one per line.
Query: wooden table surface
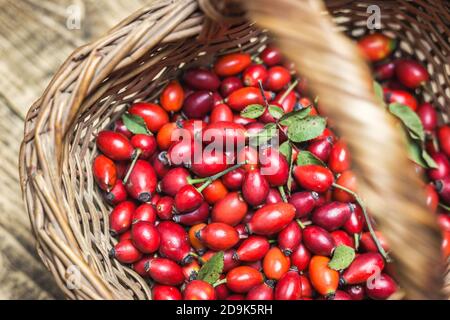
[36,36]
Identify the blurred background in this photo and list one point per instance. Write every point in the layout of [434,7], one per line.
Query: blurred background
[36,37]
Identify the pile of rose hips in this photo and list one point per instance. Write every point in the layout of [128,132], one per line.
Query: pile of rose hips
[223,227]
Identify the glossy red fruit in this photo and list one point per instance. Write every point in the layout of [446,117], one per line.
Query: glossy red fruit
[117,194]
[356,292]
[105,172]
[233,179]
[198,104]
[443,167]
[428,116]
[443,189]
[381,287]
[301,257]
[444,139]
[230,210]
[210,164]
[228,261]
[289,287]
[376,46]
[183,152]
[286,102]
[318,241]
[222,291]
[355,223]
[314,177]
[236,297]
[221,112]
[125,236]
[121,168]
[432,197]
[160,165]
[121,217]
[215,192]
[348,180]
[271,56]
[229,134]
[125,252]
[173,181]
[145,237]
[218,236]
[367,244]
[321,148]
[261,292]
[114,145]
[274,167]
[142,181]
[271,218]
[324,279]
[342,238]
[201,79]
[165,271]
[275,264]
[121,128]
[145,212]
[411,73]
[444,222]
[229,85]
[273,196]
[165,208]
[162,292]
[174,242]
[199,290]
[363,267]
[332,216]
[172,97]
[304,202]
[255,188]
[139,266]
[339,160]
[145,143]
[196,216]
[187,199]
[243,97]
[385,71]
[445,245]
[164,138]
[242,279]
[278,78]
[400,96]
[339,295]
[253,74]
[290,238]
[232,64]
[253,248]
[154,116]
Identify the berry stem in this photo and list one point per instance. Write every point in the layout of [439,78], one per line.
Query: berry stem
[283,193]
[300,223]
[272,241]
[356,237]
[211,179]
[260,85]
[368,221]
[218,283]
[286,93]
[136,155]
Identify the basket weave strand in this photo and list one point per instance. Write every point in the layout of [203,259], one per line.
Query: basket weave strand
[139,56]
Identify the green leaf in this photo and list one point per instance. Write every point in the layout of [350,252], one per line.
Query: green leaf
[285,149]
[306,129]
[342,257]
[305,157]
[269,131]
[379,93]
[276,111]
[211,270]
[410,119]
[291,117]
[135,124]
[253,111]
[416,154]
[428,159]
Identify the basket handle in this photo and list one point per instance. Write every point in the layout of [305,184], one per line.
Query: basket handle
[341,78]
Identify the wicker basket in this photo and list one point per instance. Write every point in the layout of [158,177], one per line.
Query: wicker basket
[137,58]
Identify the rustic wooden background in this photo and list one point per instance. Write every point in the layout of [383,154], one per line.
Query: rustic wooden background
[34,40]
